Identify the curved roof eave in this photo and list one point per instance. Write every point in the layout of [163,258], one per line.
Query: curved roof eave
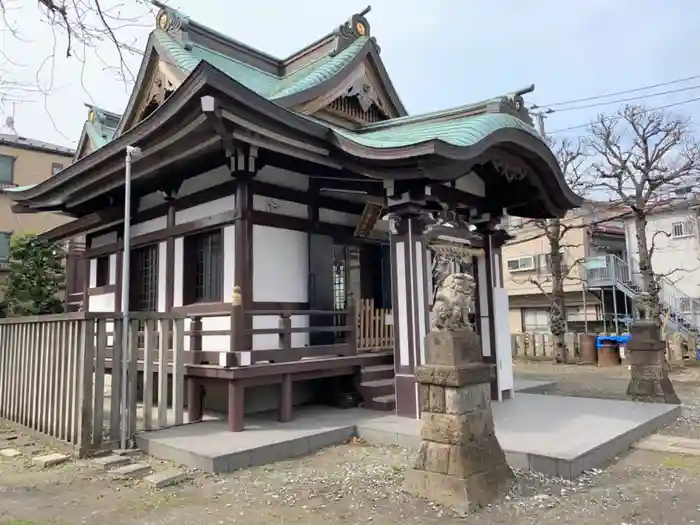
[46,189]
[44,193]
[504,137]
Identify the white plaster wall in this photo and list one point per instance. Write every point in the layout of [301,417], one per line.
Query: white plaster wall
[93,273]
[101,303]
[211,343]
[149,226]
[280,207]
[229,260]
[280,274]
[680,255]
[103,240]
[177,278]
[280,177]
[192,185]
[202,211]
[112,271]
[162,263]
[112,268]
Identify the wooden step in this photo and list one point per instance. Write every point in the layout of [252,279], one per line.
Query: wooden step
[374,372]
[385,403]
[377,388]
[377,358]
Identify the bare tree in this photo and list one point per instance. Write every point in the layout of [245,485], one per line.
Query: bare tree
[571,157]
[644,158]
[95,33]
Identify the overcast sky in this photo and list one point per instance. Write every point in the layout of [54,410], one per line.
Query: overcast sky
[439,53]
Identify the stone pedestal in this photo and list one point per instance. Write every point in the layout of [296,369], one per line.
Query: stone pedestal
[649,380]
[460,462]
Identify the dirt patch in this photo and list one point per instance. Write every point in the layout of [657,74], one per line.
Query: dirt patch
[353,483]
[357,483]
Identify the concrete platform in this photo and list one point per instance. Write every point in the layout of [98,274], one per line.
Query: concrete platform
[209,445]
[558,436]
[531,386]
[554,435]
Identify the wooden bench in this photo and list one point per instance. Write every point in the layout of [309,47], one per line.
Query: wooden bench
[284,374]
[243,368]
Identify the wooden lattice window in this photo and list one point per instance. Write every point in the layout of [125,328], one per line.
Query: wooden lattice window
[339,287]
[204,269]
[144,279]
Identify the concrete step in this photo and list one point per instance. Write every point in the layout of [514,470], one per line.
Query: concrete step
[375,372]
[131,471]
[112,461]
[165,478]
[9,452]
[378,358]
[50,460]
[384,403]
[377,388]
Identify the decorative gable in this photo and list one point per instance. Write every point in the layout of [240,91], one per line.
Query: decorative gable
[360,104]
[157,81]
[362,99]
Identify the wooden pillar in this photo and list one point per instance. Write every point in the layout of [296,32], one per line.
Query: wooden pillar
[409,279]
[243,257]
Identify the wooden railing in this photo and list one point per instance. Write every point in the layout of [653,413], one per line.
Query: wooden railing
[61,375]
[48,378]
[375,331]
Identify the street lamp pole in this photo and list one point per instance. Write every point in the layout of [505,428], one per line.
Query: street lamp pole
[132,153]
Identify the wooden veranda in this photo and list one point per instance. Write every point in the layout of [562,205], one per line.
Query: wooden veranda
[58,374]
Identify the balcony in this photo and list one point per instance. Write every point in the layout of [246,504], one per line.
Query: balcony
[606,270]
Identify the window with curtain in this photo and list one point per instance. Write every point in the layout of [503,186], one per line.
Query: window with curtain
[7,167]
[535,320]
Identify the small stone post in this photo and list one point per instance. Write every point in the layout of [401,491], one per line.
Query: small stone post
[649,380]
[460,462]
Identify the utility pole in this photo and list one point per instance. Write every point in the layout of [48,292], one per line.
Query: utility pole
[540,116]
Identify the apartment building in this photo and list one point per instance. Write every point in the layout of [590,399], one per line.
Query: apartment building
[586,245]
[25,162]
[672,229]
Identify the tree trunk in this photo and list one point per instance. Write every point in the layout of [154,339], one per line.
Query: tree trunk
[557,312]
[649,307]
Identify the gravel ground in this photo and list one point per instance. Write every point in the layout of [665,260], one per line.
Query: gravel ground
[356,483]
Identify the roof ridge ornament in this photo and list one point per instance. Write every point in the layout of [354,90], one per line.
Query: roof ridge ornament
[356,27]
[515,102]
[170,20]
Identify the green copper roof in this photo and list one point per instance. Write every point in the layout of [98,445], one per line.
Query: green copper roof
[263,83]
[319,71]
[465,131]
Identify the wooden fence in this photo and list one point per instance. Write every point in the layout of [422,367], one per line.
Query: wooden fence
[61,375]
[680,348]
[375,331]
[53,381]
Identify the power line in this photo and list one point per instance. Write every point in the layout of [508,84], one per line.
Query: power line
[629,99]
[617,93]
[580,126]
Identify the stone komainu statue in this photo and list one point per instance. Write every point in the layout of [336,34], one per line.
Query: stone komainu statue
[453,303]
